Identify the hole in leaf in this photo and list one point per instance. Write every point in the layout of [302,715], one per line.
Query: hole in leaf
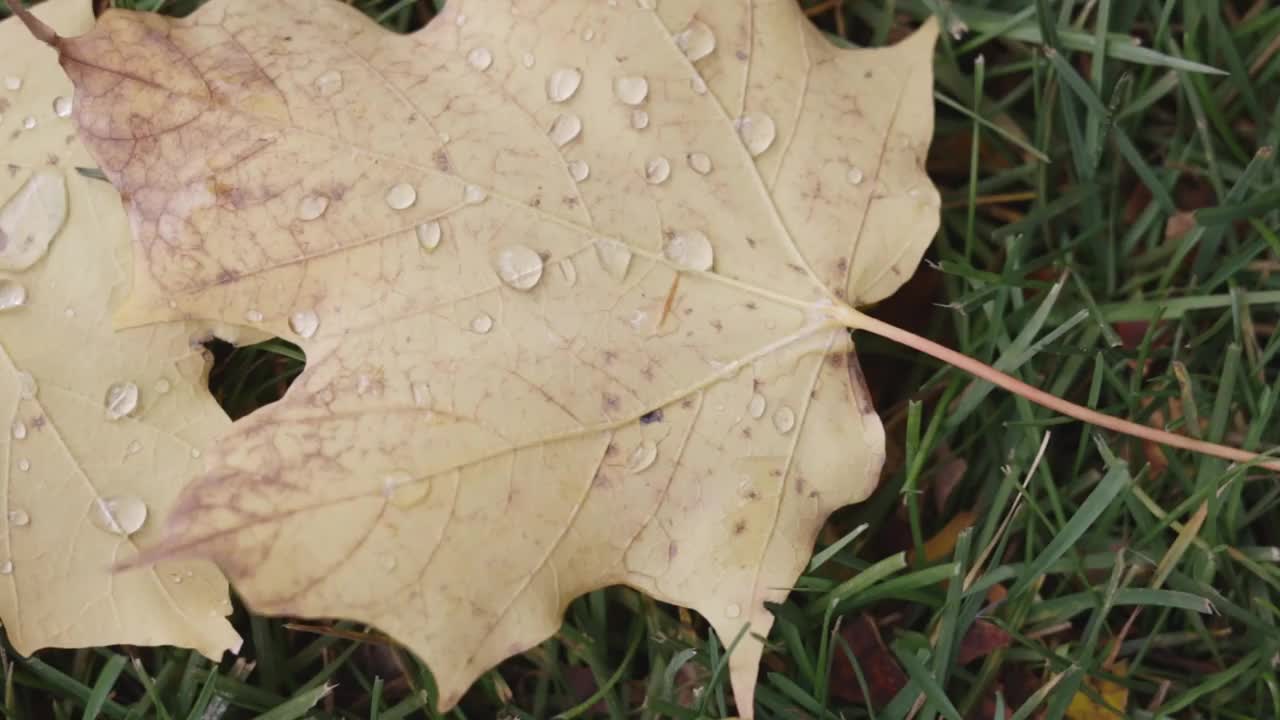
[246,378]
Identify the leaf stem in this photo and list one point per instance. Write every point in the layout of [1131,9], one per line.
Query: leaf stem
[859,321]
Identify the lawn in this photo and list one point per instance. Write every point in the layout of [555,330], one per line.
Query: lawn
[1111,233]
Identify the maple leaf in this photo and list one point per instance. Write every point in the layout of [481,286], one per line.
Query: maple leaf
[100,428]
[567,277]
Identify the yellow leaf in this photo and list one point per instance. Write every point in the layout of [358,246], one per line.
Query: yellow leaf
[569,281]
[1113,694]
[99,428]
[943,543]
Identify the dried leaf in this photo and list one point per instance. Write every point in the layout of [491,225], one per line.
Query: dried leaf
[100,428]
[1114,695]
[881,672]
[566,274]
[943,542]
[983,638]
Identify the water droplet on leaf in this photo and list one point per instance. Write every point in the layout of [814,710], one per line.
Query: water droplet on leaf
[784,420]
[474,195]
[121,400]
[614,257]
[312,207]
[481,324]
[19,518]
[403,490]
[569,271]
[520,267]
[12,82]
[855,175]
[401,196]
[639,119]
[733,611]
[480,58]
[643,457]
[756,406]
[657,170]
[62,106]
[700,162]
[122,516]
[19,430]
[329,83]
[696,41]
[690,249]
[563,84]
[758,131]
[565,129]
[253,316]
[6,567]
[429,234]
[304,323]
[12,294]
[579,170]
[631,89]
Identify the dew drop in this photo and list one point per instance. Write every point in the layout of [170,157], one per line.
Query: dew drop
[312,207]
[614,257]
[527,60]
[403,490]
[253,316]
[520,267]
[657,170]
[401,196]
[784,420]
[29,122]
[481,324]
[305,323]
[855,175]
[698,85]
[756,406]
[639,119]
[24,464]
[480,58]
[195,453]
[758,131]
[429,234]
[588,35]
[134,448]
[568,271]
[19,518]
[6,567]
[579,170]
[13,83]
[565,129]
[643,457]
[474,195]
[700,162]
[123,515]
[19,430]
[27,387]
[12,294]
[696,41]
[460,20]
[563,84]
[630,89]
[733,611]
[62,106]
[31,218]
[329,83]
[163,386]
[389,562]
[690,249]
[121,400]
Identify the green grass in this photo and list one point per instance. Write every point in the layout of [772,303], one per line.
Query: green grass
[1054,263]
